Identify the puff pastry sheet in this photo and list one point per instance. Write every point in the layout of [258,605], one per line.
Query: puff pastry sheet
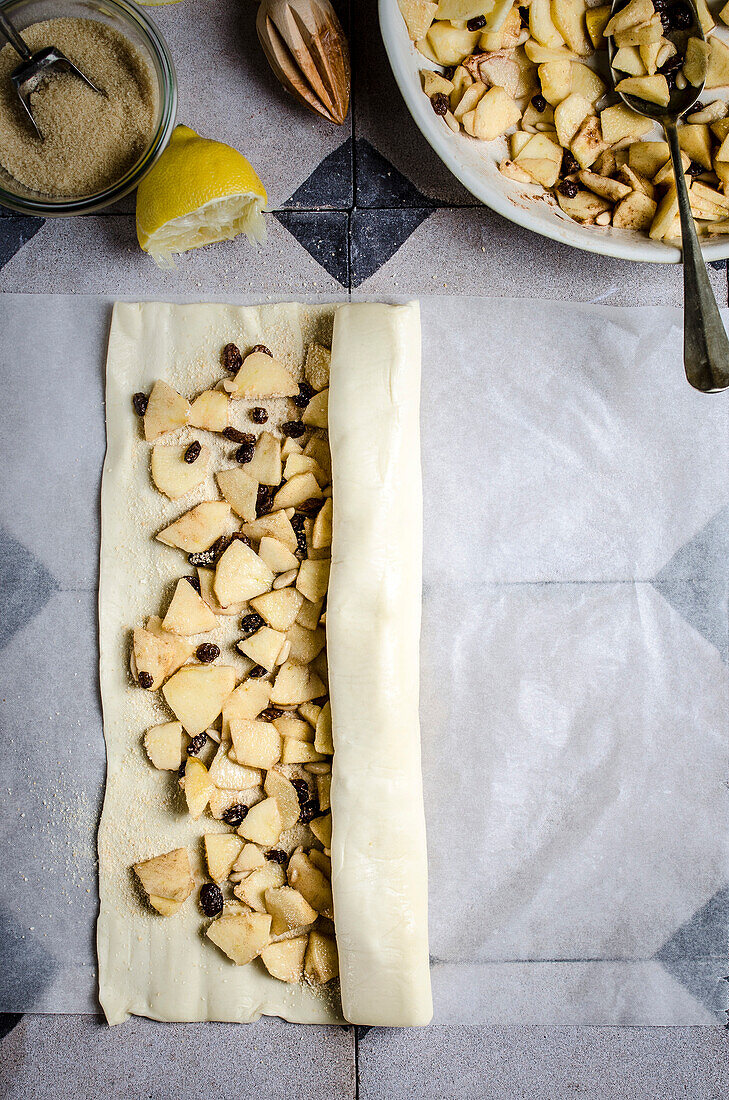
[162,967]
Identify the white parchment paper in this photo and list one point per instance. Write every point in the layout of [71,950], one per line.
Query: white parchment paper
[574,678]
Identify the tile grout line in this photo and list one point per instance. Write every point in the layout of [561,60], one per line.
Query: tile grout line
[356,1062]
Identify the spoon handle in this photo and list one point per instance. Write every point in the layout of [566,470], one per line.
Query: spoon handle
[7,28]
[705,343]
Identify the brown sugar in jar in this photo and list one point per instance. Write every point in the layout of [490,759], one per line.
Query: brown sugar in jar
[89,140]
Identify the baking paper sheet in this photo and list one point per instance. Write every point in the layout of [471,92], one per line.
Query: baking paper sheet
[574,677]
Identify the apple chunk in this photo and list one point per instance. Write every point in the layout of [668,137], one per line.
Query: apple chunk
[322,962]
[316,412]
[167,876]
[263,647]
[172,475]
[163,745]
[261,375]
[289,909]
[198,787]
[199,528]
[221,852]
[240,574]
[275,524]
[295,684]
[252,889]
[242,936]
[282,789]
[262,823]
[276,556]
[279,608]
[309,881]
[313,579]
[188,613]
[265,466]
[300,488]
[166,411]
[246,702]
[196,695]
[228,775]
[256,744]
[210,411]
[285,960]
[157,654]
[240,490]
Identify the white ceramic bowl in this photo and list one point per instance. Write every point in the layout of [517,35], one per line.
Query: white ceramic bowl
[474,163]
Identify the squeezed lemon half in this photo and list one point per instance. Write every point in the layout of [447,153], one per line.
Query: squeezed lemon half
[198,192]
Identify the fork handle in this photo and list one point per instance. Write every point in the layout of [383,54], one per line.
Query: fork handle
[705,343]
[7,28]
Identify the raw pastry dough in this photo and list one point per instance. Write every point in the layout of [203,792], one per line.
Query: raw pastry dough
[162,967]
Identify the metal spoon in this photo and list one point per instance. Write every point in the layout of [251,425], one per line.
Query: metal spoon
[36,66]
[705,343]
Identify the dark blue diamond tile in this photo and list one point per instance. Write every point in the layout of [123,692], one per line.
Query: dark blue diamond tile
[380,184]
[15,231]
[376,236]
[697,955]
[695,582]
[25,585]
[324,236]
[330,186]
[8,1020]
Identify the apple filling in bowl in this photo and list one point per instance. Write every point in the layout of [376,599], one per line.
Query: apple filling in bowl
[525,74]
[254,754]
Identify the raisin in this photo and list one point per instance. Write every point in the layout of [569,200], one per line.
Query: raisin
[476,23]
[297,522]
[192,452]
[234,814]
[569,164]
[660,5]
[441,103]
[309,810]
[304,396]
[258,415]
[140,402]
[666,24]
[236,436]
[264,500]
[302,789]
[293,428]
[207,652]
[695,169]
[257,671]
[203,557]
[539,103]
[568,189]
[195,582]
[249,624]
[211,899]
[263,348]
[197,744]
[681,16]
[270,713]
[181,770]
[244,453]
[672,66]
[311,507]
[231,358]
[277,856]
[145,680]
[216,551]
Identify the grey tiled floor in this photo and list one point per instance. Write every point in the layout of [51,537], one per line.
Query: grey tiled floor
[364,207]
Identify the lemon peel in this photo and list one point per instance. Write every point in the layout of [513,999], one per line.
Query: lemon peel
[199,191]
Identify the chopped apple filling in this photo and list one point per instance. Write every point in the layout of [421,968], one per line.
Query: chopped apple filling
[521,74]
[238,655]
